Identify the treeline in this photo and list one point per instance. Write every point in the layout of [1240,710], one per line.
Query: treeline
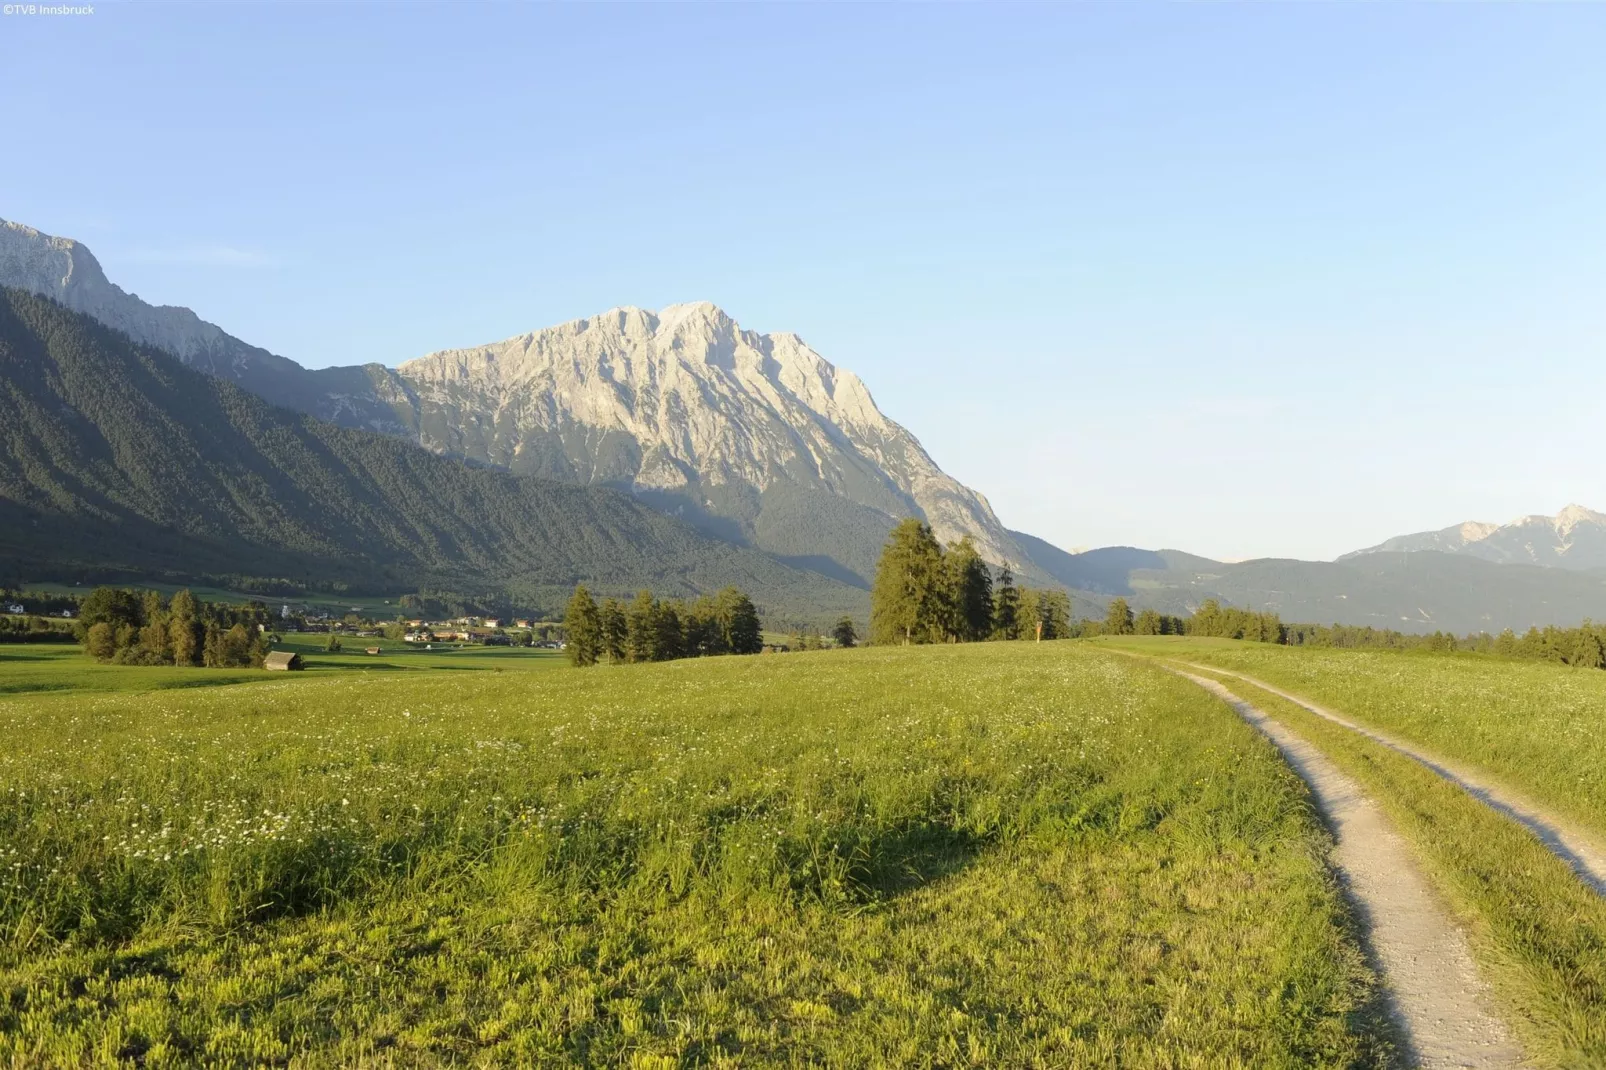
[35,629]
[924,593]
[652,629]
[1212,620]
[1583,646]
[144,628]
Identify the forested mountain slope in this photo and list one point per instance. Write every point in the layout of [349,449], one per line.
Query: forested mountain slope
[114,454]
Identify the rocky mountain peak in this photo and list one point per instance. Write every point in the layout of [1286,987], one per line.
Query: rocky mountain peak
[1573,538]
[1575,516]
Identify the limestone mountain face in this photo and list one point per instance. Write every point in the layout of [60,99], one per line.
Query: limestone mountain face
[1574,538]
[756,433]
[754,437]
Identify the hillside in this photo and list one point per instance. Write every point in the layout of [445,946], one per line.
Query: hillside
[755,438]
[1574,538]
[113,455]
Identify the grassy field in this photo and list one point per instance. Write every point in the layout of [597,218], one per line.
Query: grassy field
[36,668]
[1006,853]
[1539,728]
[1539,933]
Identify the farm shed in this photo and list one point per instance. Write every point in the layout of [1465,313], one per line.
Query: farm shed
[282,660]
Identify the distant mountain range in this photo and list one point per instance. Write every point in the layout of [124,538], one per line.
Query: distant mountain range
[1574,538]
[670,449]
[1419,591]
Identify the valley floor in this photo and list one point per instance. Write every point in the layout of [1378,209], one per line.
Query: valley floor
[989,855]
[997,854]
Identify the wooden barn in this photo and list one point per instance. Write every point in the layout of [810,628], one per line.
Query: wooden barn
[283,661]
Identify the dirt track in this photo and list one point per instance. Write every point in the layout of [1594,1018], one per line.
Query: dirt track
[1579,850]
[1439,1000]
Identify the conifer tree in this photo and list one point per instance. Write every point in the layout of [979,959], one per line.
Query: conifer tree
[1006,606]
[970,593]
[583,621]
[614,631]
[1054,613]
[641,619]
[738,619]
[666,632]
[1588,651]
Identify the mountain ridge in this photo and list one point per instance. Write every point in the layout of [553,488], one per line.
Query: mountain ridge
[116,456]
[755,438]
[1574,538]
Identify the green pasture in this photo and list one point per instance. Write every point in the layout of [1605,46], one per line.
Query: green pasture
[998,854]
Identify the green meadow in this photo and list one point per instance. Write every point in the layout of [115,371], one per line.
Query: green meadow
[1538,727]
[1537,930]
[1005,853]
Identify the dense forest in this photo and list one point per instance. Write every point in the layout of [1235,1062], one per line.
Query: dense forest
[115,456]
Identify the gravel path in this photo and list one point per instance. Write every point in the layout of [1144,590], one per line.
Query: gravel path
[1438,999]
[1584,853]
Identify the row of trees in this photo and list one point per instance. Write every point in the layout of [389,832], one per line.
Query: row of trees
[1583,646]
[651,629]
[1212,619]
[144,628]
[924,593]
[34,629]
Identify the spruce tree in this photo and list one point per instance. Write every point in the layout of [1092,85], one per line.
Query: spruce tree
[614,631]
[970,592]
[641,627]
[1054,613]
[1006,606]
[738,619]
[667,640]
[583,621]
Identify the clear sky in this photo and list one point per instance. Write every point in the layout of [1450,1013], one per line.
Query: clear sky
[1242,279]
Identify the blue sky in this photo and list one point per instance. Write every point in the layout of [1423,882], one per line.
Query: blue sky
[1243,279]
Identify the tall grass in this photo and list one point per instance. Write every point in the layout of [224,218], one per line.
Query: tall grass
[1002,853]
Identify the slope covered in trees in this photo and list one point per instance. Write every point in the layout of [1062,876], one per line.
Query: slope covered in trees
[115,457]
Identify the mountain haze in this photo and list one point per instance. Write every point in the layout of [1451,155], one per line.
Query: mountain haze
[1574,538]
[114,456]
[752,437]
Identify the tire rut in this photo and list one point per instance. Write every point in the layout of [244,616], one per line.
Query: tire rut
[1437,998]
[1582,852]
